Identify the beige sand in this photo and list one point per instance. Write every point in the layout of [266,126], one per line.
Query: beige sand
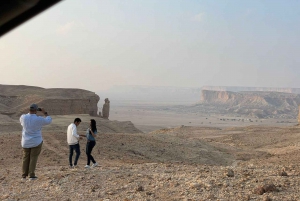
[181,163]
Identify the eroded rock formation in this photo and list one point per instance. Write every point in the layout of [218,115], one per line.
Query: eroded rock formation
[15,100]
[105,109]
[239,89]
[299,115]
[255,104]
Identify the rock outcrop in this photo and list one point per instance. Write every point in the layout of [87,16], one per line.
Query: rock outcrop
[105,109]
[239,89]
[15,100]
[254,104]
[299,115]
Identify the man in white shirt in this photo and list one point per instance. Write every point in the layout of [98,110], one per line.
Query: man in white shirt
[73,142]
[32,139]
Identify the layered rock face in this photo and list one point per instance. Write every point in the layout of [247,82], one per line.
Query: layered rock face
[255,104]
[239,89]
[299,115]
[15,100]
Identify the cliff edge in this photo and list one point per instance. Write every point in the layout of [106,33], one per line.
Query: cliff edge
[261,104]
[15,100]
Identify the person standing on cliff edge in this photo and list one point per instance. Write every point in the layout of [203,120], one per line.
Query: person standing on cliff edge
[32,139]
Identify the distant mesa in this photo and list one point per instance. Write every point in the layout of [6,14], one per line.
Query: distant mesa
[240,89]
[260,104]
[15,100]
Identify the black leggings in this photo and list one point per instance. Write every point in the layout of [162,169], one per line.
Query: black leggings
[89,147]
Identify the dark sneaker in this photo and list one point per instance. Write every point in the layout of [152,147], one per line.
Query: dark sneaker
[32,178]
[23,179]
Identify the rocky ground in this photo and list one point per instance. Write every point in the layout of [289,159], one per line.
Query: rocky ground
[183,163]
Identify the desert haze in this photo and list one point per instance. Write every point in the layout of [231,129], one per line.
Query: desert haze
[238,145]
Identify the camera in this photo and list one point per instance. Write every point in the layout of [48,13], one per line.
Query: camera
[39,109]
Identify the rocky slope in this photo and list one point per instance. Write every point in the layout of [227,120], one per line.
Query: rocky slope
[15,100]
[185,163]
[254,104]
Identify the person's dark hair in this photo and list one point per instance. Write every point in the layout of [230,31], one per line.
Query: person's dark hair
[77,120]
[32,110]
[93,125]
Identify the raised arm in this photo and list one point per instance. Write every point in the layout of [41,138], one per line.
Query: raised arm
[93,133]
[47,119]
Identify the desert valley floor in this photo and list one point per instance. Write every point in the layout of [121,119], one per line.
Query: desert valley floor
[160,157]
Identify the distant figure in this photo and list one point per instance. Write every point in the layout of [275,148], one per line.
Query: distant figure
[91,142]
[105,109]
[32,139]
[73,141]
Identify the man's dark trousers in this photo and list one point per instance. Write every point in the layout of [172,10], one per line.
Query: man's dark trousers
[75,147]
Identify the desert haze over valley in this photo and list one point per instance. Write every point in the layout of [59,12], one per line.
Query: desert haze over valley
[216,148]
[193,100]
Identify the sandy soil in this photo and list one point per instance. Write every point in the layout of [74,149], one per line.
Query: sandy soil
[222,161]
[148,117]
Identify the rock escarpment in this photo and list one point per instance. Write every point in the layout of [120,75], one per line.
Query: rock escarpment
[299,116]
[15,100]
[239,89]
[254,104]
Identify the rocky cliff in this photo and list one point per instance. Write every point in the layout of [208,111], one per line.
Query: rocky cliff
[255,104]
[239,89]
[15,100]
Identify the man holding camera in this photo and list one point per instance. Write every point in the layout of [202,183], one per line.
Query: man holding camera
[32,139]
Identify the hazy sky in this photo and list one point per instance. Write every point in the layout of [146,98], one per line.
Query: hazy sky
[94,44]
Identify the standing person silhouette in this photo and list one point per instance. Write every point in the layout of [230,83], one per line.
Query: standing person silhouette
[91,142]
[32,139]
[73,141]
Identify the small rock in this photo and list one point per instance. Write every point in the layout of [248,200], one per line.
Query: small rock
[270,188]
[259,190]
[62,169]
[148,193]
[265,189]
[283,173]
[140,188]
[229,173]
[195,185]
[267,198]
[247,197]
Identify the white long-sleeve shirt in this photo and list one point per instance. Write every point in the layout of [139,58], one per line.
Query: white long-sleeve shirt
[32,129]
[72,136]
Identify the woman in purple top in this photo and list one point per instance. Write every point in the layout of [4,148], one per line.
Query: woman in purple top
[91,142]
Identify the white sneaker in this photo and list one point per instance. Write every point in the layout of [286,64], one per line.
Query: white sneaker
[95,165]
[87,166]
